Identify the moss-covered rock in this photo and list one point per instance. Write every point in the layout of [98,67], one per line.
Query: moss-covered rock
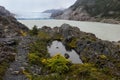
[100,58]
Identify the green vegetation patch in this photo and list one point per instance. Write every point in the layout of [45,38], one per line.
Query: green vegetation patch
[57,64]
[3,67]
[43,35]
[60,68]
[34,31]
[72,43]
[38,50]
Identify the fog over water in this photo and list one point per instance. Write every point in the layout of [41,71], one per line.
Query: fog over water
[16,6]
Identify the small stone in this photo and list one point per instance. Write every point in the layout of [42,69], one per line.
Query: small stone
[11,69]
[22,69]
[57,47]
[15,72]
[25,64]
[74,75]
[35,74]
[66,55]
[13,54]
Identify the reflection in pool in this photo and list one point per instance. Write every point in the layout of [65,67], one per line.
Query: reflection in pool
[58,47]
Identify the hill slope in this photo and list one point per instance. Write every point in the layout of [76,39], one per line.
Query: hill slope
[93,10]
[9,26]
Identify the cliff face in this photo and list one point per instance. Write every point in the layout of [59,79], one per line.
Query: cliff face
[92,10]
[9,26]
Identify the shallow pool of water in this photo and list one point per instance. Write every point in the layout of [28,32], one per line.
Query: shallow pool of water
[58,47]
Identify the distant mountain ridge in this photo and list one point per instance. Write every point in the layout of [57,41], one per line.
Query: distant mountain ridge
[52,10]
[92,10]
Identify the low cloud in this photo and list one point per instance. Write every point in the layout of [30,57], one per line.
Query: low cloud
[35,5]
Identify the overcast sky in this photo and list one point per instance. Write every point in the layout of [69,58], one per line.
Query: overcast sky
[35,5]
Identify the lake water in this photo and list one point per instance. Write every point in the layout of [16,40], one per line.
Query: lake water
[58,47]
[103,31]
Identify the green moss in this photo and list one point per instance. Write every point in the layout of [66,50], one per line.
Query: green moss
[28,75]
[23,33]
[57,36]
[49,77]
[59,68]
[34,59]
[44,35]
[38,50]
[72,43]
[34,31]
[88,71]
[103,57]
[89,38]
[57,63]
[3,67]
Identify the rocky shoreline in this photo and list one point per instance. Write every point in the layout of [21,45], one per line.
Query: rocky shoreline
[85,18]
